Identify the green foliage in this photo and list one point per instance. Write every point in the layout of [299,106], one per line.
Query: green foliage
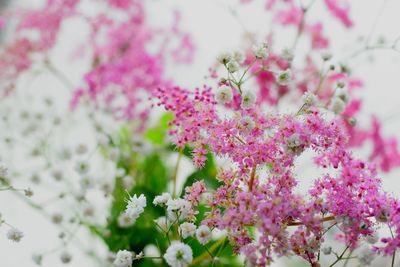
[151,178]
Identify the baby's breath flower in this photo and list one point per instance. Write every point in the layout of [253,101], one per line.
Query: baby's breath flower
[162,223]
[366,256]
[162,199]
[123,259]
[14,234]
[248,100]
[327,250]
[136,206]
[224,58]
[37,258]
[309,99]
[337,105]
[287,54]
[224,94]
[232,66]
[178,255]
[187,229]
[373,238]
[203,234]
[125,221]
[65,257]
[283,77]
[261,50]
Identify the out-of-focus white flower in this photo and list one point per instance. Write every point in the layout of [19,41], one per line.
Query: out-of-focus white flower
[3,171]
[136,206]
[366,256]
[178,255]
[248,100]
[327,250]
[224,94]
[337,105]
[373,238]
[187,229]
[15,235]
[224,58]
[123,259]
[162,223]
[309,99]
[232,66]
[283,77]
[203,234]
[125,221]
[287,54]
[82,167]
[37,259]
[162,199]
[65,257]
[261,50]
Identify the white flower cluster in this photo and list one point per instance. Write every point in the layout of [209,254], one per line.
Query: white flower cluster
[261,51]
[135,206]
[123,259]
[178,209]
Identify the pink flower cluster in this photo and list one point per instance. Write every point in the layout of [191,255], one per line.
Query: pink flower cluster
[259,188]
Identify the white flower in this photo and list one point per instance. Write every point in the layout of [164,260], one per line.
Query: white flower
[248,100]
[337,105]
[366,256]
[294,141]
[342,94]
[125,221]
[261,50]
[283,77]
[326,55]
[65,257]
[287,54]
[178,255]
[238,57]
[373,238]
[224,94]
[82,167]
[136,206]
[203,234]
[326,250]
[15,235]
[123,259]
[162,223]
[178,206]
[309,99]
[187,229]
[224,58]
[37,258]
[3,171]
[232,66]
[247,123]
[162,199]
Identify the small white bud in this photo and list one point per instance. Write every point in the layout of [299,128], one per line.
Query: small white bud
[337,105]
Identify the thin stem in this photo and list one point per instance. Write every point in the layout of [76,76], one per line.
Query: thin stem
[204,255]
[339,258]
[174,176]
